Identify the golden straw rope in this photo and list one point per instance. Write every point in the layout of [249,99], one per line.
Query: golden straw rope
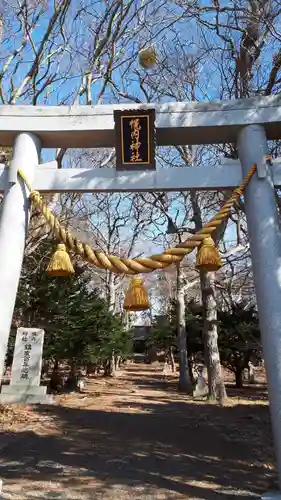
[139,264]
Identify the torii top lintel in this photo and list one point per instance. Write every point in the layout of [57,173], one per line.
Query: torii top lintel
[177,123]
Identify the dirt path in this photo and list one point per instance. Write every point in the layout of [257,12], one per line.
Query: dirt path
[136,437]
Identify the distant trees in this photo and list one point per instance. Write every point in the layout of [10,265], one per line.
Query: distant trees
[240,341]
[87,53]
[238,330]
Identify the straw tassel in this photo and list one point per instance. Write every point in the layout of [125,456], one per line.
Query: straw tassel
[136,298]
[60,263]
[208,257]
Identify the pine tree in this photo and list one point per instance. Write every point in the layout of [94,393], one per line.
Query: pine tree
[79,327]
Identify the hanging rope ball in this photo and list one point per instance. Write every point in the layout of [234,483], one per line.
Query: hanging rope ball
[147,57]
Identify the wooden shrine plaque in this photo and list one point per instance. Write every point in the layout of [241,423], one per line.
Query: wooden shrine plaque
[135,139]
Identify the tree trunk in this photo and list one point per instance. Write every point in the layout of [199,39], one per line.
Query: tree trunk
[172,360]
[106,368]
[251,373]
[56,381]
[239,378]
[112,365]
[184,384]
[212,356]
[110,291]
[190,369]
[91,369]
[72,379]
[211,350]
[117,363]
[111,298]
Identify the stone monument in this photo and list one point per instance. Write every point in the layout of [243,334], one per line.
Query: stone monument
[25,386]
[251,373]
[201,388]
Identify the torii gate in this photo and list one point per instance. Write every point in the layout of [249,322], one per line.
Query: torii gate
[249,123]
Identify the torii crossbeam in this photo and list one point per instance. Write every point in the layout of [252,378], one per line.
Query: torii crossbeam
[50,179]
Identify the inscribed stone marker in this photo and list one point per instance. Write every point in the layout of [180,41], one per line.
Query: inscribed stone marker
[26,370]
[27,362]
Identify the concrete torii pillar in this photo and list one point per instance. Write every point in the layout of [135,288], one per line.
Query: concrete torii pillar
[265,244]
[13,231]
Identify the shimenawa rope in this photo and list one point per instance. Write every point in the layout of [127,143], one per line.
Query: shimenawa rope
[140,264]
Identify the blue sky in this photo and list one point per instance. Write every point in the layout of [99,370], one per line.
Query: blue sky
[173,45]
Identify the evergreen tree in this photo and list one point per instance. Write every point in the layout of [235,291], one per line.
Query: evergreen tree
[239,339]
[79,328]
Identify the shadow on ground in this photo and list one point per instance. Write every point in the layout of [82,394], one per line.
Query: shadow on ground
[156,381]
[180,448]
